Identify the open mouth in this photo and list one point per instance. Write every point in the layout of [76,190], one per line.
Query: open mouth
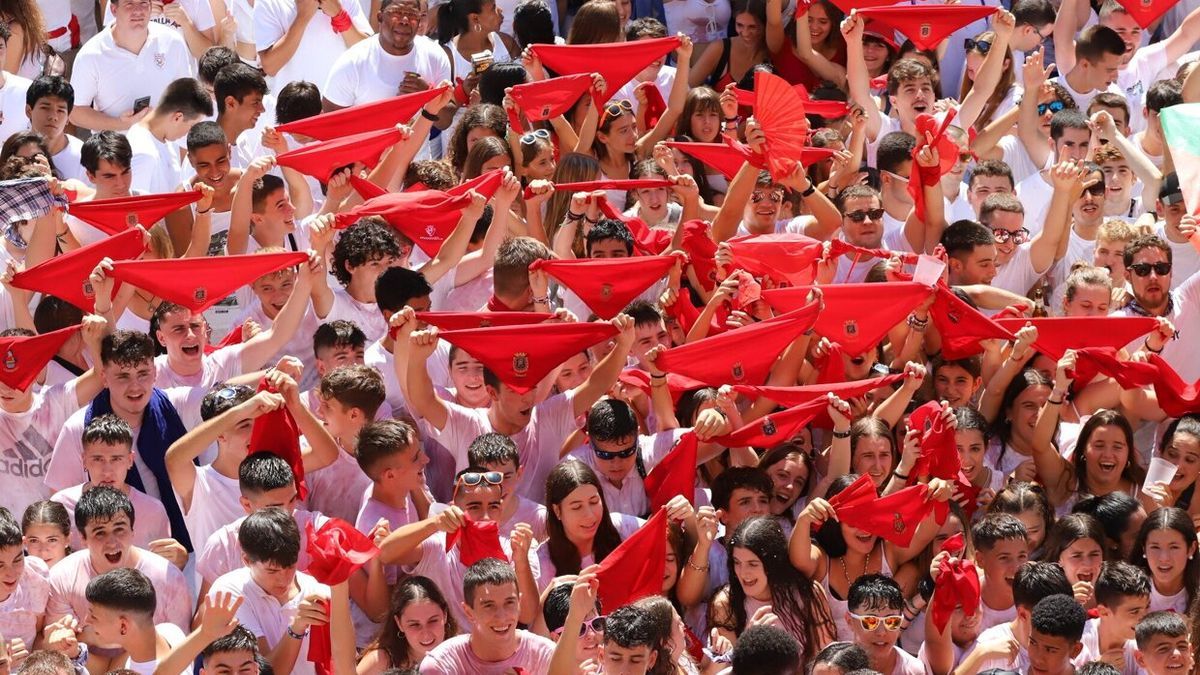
[113,558]
[194,350]
[429,644]
[920,106]
[1086,576]
[1107,466]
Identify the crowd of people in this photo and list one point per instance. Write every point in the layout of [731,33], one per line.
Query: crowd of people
[634,337]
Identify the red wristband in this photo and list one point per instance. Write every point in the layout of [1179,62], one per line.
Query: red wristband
[341,23]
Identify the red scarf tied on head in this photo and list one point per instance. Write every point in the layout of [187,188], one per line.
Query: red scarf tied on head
[476,540]
[336,551]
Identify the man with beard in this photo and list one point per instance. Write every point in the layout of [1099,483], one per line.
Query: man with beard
[1149,261]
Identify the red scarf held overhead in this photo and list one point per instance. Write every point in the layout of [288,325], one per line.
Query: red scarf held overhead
[895,517]
[607,285]
[608,184]
[336,551]
[111,215]
[939,452]
[548,99]
[276,432]
[320,160]
[947,155]
[66,276]
[476,539]
[646,241]
[775,428]
[957,584]
[780,113]
[677,385]
[1146,12]
[927,25]
[701,251]
[831,368]
[683,311]
[634,570]
[618,62]
[856,316]
[1176,397]
[723,157]
[22,358]
[427,217]
[365,188]
[1055,335]
[465,320]
[788,259]
[675,475]
[1093,361]
[200,283]
[365,118]
[962,327]
[741,356]
[796,396]
[522,355]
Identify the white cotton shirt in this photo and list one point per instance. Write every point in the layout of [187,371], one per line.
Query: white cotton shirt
[631,496]
[150,524]
[68,163]
[172,635]
[215,503]
[27,445]
[1035,195]
[995,635]
[626,525]
[1180,352]
[222,553]
[1017,275]
[319,44]
[163,59]
[366,73]
[26,604]
[1014,154]
[1137,76]
[218,366]
[337,490]
[1091,649]
[365,315]
[156,167]
[266,617]
[1084,98]
[12,105]
[1185,259]
[199,12]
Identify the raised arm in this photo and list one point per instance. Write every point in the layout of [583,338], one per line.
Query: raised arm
[1067,178]
[816,62]
[1054,471]
[243,205]
[1029,126]
[423,400]
[857,75]
[605,374]
[679,91]
[268,343]
[989,74]
[455,246]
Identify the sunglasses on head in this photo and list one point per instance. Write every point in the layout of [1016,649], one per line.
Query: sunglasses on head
[1162,269]
[529,138]
[1052,106]
[473,478]
[1003,236]
[615,109]
[231,391]
[619,454]
[1172,199]
[870,622]
[593,625]
[981,46]
[860,216]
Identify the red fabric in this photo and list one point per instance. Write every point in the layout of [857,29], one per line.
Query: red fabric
[742,356]
[775,428]
[359,119]
[927,25]
[646,241]
[831,368]
[618,62]
[947,156]
[25,357]
[1176,397]
[786,258]
[957,584]
[780,112]
[465,320]
[548,99]
[826,109]
[607,285]
[894,518]
[702,252]
[847,5]
[200,283]
[486,184]
[674,475]
[655,105]
[1090,362]
[109,215]
[678,385]
[954,544]
[522,355]
[609,184]
[427,217]
[961,326]
[365,188]
[856,316]
[683,311]
[336,551]
[1146,12]
[321,160]
[233,337]
[723,157]
[1058,334]
[796,396]
[634,570]
[495,305]
[839,247]
[968,494]
[65,276]
[276,432]
[476,539]
[939,453]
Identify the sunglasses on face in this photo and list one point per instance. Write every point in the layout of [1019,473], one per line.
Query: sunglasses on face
[860,216]
[619,454]
[870,622]
[757,197]
[981,46]
[594,625]
[1052,106]
[531,137]
[1096,190]
[615,109]
[1162,269]
[1003,236]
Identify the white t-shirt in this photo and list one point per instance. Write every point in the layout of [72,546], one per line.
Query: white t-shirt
[27,444]
[222,553]
[163,59]
[1136,77]
[1185,260]
[337,490]
[1180,352]
[266,617]
[1017,158]
[1017,275]
[1035,194]
[68,163]
[26,603]
[365,315]
[319,45]
[215,502]
[997,634]
[12,105]
[198,11]
[70,577]
[366,73]
[1091,649]
[1084,98]
[156,167]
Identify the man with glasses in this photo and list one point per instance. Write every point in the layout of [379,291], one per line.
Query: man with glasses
[147,56]
[1021,259]
[862,225]
[478,498]
[399,60]
[1035,25]
[1176,228]
[875,614]
[1149,262]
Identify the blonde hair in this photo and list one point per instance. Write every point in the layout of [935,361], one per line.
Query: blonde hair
[1114,230]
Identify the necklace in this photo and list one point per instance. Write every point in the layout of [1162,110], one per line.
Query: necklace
[846,572]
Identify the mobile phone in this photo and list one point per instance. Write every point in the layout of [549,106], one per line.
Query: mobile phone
[141,104]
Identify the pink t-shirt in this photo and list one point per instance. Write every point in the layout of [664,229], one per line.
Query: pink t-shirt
[27,443]
[365,315]
[454,656]
[266,617]
[216,367]
[370,513]
[222,553]
[20,611]
[338,489]
[70,577]
[149,516]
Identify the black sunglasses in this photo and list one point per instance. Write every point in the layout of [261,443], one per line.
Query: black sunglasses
[981,46]
[860,216]
[620,454]
[1162,269]
[1096,190]
[1052,106]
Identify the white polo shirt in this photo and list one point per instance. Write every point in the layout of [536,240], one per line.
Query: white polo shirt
[365,72]
[163,59]
[155,167]
[319,45]
[266,617]
[199,11]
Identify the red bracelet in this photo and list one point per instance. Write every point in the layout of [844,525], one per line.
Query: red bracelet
[341,23]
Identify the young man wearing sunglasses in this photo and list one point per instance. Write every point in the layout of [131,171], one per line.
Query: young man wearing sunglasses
[875,615]
[1022,259]
[1149,262]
